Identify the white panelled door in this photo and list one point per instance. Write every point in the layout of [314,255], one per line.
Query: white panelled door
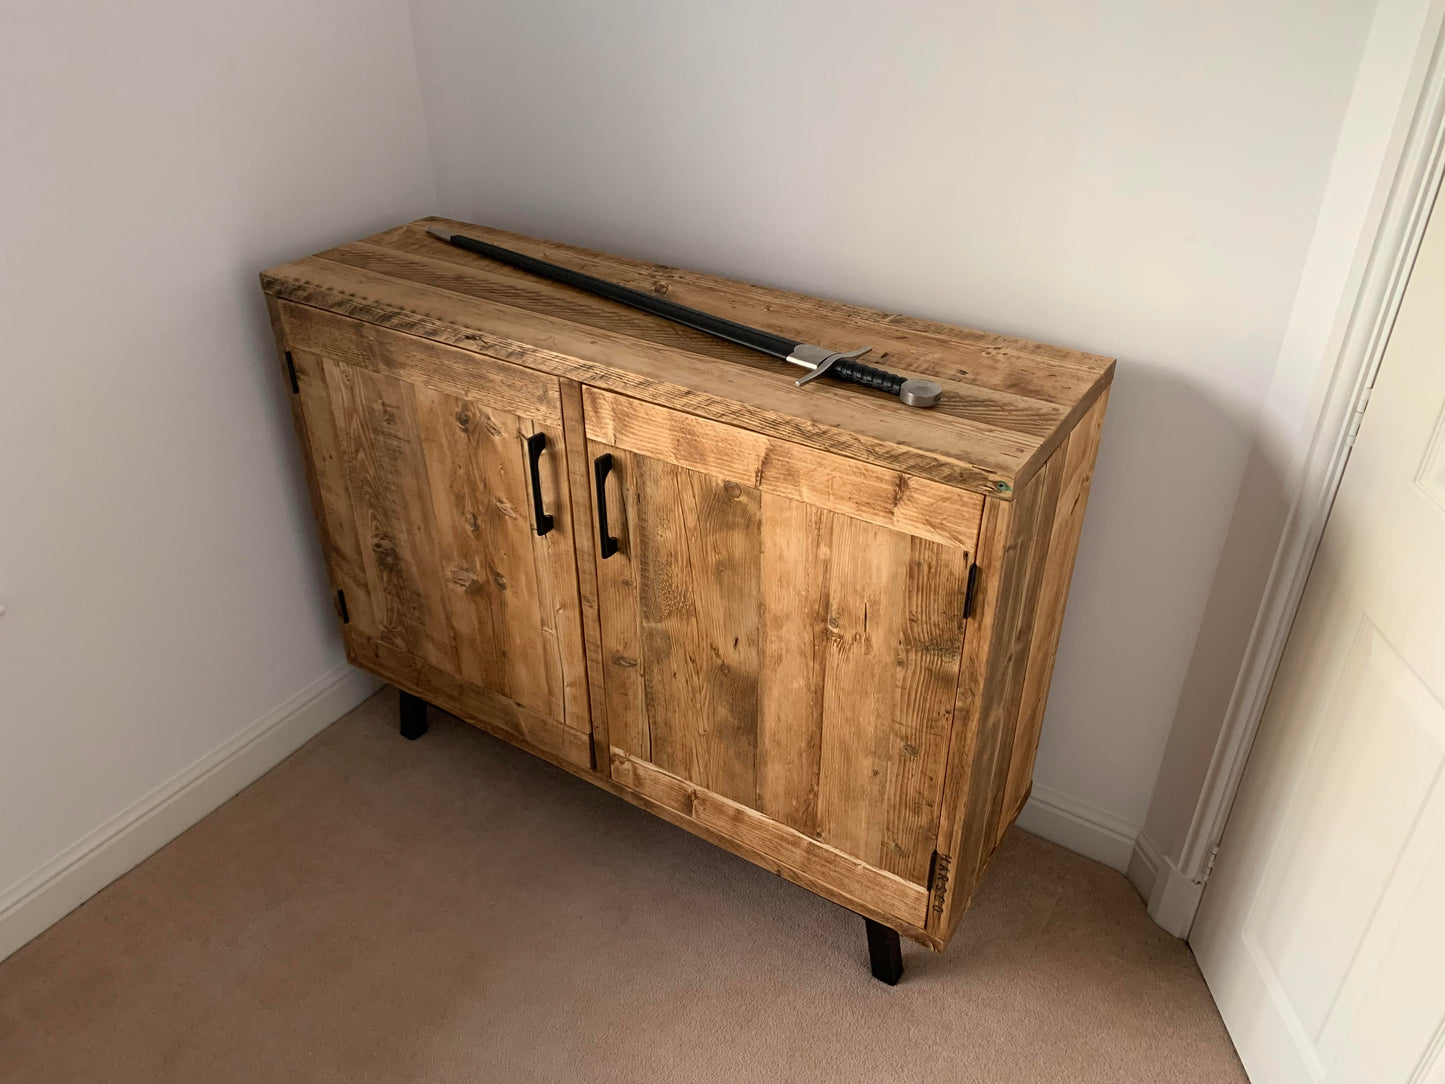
[1322,931]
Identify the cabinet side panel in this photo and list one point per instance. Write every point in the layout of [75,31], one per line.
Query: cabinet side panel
[1026,553]
[974,744]
[1078,457]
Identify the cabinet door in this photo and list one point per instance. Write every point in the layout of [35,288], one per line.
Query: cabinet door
[782,631]
[422,469]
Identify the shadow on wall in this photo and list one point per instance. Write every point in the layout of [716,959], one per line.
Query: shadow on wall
[1150,635]
[1246,560]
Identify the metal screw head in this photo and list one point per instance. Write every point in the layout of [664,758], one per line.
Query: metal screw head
[920,393]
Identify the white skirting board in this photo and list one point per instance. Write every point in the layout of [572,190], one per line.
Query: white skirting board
[1171,897]
[1080,827]
[133,835]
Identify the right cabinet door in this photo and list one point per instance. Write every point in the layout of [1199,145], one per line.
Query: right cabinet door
[782,630]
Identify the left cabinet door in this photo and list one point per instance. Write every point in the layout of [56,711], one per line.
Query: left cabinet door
[428,475]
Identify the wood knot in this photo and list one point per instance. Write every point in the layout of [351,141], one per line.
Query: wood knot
[733,490]
[624,661]
[659,287]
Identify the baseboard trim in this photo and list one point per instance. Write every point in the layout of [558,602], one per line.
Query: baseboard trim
[1144,866]
[1079,826]
[1172,897]
[133,835]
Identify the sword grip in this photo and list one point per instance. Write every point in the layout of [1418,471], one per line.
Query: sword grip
[855,372]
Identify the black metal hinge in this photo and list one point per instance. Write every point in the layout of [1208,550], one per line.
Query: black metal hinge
[291,369]
[341,607]
[968,592]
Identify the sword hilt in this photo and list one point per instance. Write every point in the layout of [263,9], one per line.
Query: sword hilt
[855,372]
[911,391]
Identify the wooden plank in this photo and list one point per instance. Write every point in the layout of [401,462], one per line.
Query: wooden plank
[882,891]
[849,421]
[954,878]
[1037,370]
[793,646]
[1078,471]
[697,555]
[420,258]
[659,786]
[460,373]
[557,571]
[481,707]
[579,489]
[876,494]
[386,478]
[984,708]
[885,891]
[1003,711]
[926,685]
[866,575]
[458,503]
[618,608]
[530,657]
[751,854]
[315,418]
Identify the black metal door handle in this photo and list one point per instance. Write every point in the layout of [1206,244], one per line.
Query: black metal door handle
[602,467]
[536,444]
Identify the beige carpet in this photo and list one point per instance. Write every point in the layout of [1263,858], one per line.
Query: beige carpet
[454,910]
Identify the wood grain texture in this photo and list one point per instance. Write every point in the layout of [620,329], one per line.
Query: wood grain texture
[504,387]
[876,494]
[579,486]
[777,657]
[885,893]
[1027,549]
[481,707]
[697,553]
[1077,475]
[619,607]
[793,647]
[429,525]
[794,660]
[1007,403]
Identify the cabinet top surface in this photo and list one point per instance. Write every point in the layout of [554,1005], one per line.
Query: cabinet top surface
[1007,403]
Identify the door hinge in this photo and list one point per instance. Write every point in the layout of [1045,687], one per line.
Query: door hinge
[1209,863]
[1357,417]
[969,591]
[291,371]
[341,607]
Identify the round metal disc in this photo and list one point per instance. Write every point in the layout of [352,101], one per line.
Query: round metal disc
[920,393]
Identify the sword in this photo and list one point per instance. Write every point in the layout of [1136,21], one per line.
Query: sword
[818,360]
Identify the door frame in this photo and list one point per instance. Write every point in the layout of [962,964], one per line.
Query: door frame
[1383,182]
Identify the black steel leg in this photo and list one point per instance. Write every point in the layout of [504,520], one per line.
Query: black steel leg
[413,716]
[885,954]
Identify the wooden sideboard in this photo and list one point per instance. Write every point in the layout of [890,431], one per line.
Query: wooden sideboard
[812,625]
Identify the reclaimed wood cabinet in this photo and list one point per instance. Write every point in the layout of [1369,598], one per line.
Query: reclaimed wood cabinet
[811,625]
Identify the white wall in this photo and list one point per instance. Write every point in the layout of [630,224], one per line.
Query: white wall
[1130,178]
[157,561]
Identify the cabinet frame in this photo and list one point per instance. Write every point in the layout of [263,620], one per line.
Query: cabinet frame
[1003,472]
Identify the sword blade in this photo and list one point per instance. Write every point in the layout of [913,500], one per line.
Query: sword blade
[818,360]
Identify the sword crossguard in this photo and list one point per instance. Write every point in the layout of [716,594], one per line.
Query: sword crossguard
[805,352]
[845,367]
